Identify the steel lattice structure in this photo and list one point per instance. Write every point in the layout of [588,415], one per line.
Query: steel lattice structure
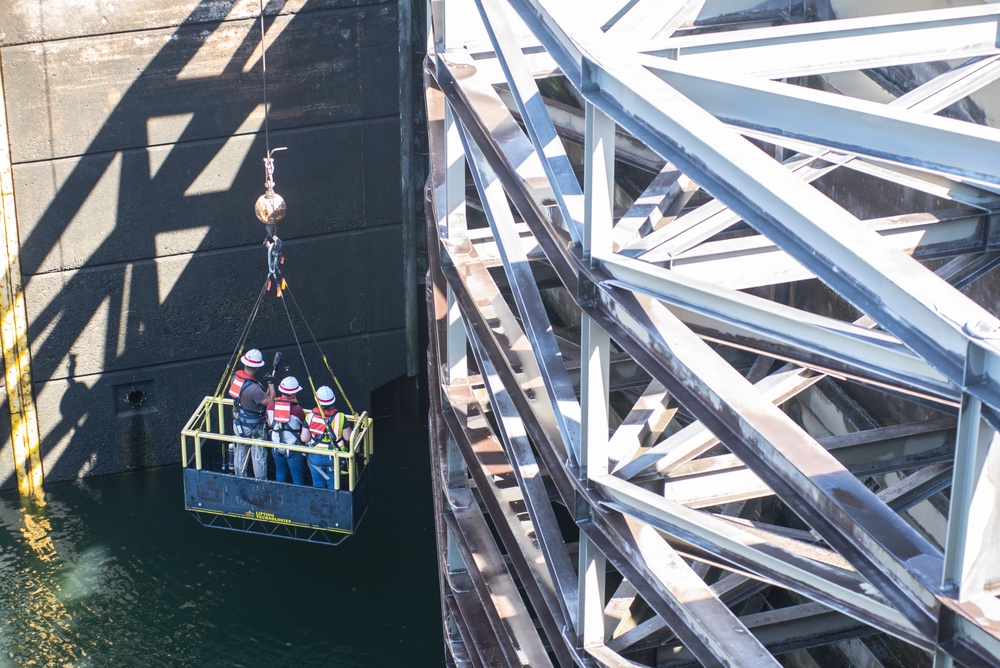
[653,407]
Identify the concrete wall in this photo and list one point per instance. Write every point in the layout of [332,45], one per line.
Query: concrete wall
[136,136]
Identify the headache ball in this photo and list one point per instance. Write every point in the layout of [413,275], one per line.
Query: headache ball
[270,208]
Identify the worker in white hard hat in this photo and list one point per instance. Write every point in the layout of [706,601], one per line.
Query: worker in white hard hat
[330,432]
[287,421]
[250,399]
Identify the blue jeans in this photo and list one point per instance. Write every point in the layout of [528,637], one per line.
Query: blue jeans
[321,469]
[293,464]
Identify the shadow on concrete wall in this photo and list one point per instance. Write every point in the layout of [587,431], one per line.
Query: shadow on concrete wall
[137,291]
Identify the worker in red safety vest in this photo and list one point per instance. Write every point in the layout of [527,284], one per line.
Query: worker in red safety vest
[250,398]
[287,421]
[330,432]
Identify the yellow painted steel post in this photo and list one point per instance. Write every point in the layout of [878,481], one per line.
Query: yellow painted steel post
[222,416]
[350,472]
[14,330]
[369,441]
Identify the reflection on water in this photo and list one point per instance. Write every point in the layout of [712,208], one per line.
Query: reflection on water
[113,572]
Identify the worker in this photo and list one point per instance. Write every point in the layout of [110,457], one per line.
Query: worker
[288,425]
[329,430]
[250,399]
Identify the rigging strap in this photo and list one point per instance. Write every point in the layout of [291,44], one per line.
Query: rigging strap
[231,366]
[274,259]
[298,344]
[326,363]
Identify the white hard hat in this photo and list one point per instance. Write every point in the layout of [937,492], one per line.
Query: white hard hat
[325,396]
[253,358]
[289,385]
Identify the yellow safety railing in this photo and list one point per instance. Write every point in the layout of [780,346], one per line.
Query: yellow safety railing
[208,424]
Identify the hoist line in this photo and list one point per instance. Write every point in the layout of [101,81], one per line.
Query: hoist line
[321,353]
[298,344]
[312,386]
[295,335]
[231,366]
[263,77]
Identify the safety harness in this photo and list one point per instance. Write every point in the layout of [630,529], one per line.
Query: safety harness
[282,418]
[321,425]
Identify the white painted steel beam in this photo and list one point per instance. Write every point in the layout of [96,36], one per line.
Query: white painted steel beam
[642,427]
[922,310]
[834,46]
[742,316]
[754,261]
[648,19]
[972,551]
[599,183]
[556,579]
[659,205]
[800,471]
[929,97]
[831,586]
[724,13]
[936,343]
[696,439]
[556,384]
[694,601]
[536,120]
[841,123]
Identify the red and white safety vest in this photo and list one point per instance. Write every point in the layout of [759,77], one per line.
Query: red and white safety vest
[239,380]
[282,411]
[319,419]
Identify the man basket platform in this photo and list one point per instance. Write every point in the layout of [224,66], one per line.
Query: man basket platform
[219,499]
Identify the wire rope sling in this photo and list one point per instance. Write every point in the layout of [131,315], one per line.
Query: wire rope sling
[208,422]
[270,209]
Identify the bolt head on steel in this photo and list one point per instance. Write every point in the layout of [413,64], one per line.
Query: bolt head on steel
[983,329]
[270,208]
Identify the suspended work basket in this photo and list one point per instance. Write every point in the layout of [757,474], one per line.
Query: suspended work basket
[219,499]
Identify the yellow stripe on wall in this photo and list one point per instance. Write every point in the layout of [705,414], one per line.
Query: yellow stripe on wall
[14,330]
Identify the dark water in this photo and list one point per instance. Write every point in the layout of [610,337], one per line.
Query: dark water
[113,572]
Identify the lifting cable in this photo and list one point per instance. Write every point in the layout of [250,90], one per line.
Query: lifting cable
[282,287]
[231,366]
[270,209]
[320,349]
[263,79]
